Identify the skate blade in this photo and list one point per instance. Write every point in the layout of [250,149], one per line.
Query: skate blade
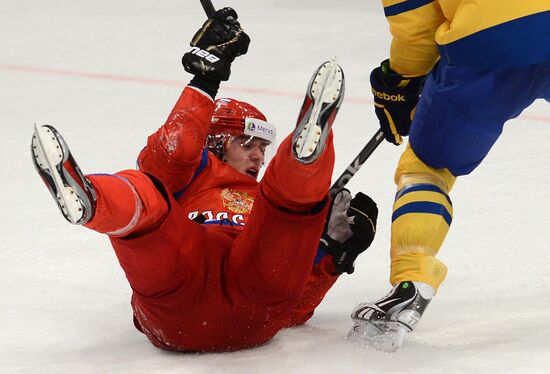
[49,156]
[385,337]
[325,89]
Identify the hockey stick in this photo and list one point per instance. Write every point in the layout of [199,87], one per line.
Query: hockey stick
[357,162]
[208,7]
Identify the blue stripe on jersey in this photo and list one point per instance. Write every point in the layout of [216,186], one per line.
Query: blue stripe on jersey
[202,165]
[321,254]
[222,222]
[423,207]
[405,6]
[422,187]
[520,42]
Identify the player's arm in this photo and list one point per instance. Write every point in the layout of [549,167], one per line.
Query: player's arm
[397,82]
[413,25]
[349,231]
[175,151]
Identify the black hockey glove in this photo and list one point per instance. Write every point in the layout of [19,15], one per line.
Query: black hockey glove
[350,228]
[395,99]
[214,47]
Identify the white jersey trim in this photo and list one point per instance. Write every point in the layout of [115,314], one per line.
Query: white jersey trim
[138,208]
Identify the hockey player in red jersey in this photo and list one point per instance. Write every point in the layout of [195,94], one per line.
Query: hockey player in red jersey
[216,260]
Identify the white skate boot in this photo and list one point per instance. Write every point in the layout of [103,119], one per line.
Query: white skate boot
[324,96]
[74,194]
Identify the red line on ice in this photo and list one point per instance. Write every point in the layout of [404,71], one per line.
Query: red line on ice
[143,80]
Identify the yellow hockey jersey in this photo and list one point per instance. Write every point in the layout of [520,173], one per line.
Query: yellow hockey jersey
[476,33]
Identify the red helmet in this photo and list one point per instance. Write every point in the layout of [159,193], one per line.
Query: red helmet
[236,118]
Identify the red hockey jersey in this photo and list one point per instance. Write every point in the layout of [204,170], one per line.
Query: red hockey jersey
[201,184]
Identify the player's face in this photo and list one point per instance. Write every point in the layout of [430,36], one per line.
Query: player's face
[246,154]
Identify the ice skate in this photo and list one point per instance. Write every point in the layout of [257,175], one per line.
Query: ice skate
[382,325]
[73,193]
[324,96]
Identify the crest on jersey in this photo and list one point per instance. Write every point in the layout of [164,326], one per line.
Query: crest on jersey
[237,202]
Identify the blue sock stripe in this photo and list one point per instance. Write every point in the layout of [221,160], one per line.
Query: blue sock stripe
[423,207]
[422,187]
[405,6]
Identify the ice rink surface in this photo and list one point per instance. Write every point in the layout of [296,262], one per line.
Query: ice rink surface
[107,73]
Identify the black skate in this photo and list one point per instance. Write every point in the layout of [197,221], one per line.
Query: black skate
[383,324]
[324,96]
[73,193]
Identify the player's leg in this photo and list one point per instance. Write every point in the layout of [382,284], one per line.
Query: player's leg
[299,176]
[298,187]
[125,206]
[454,128]
[545,72]
[422,216]
[459,117]
[271,259]
[117,205]
[275,252]
[127,203]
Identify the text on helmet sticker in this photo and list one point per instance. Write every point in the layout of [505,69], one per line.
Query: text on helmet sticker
[261,129]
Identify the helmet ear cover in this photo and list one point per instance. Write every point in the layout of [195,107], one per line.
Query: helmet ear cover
[216,144]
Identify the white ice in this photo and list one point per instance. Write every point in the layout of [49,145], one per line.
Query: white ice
[106,74]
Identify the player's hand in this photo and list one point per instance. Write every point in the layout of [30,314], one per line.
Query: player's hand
[350,228]
[214,47]
[395,99]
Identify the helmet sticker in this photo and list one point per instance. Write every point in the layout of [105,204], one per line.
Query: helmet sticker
[261,129]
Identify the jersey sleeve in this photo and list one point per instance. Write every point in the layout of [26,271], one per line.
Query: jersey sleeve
[174,152]
[413,24]
[319,282]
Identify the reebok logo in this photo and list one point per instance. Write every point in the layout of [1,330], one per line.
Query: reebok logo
[387,97]
[204,54]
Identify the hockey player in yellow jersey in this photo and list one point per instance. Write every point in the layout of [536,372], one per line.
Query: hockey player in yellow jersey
[477,63]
